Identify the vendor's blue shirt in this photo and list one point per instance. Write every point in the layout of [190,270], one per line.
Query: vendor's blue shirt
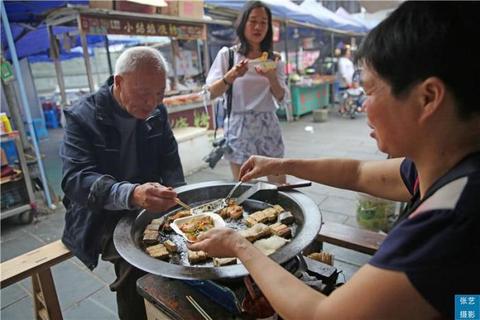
[438,245]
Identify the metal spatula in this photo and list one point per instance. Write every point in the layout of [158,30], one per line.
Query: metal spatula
[264,186]
[219,204]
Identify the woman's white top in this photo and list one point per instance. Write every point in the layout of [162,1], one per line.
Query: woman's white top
[345,71]
[251,92]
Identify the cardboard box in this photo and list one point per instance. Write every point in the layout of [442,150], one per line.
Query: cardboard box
[187,9]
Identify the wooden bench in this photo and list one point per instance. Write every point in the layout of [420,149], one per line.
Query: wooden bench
[36,264]
[349,237]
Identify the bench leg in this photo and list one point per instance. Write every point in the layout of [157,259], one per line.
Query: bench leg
[45,296]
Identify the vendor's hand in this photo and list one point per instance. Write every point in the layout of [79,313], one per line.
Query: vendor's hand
[153,197]
[237,71]
[220,242]
[258,166]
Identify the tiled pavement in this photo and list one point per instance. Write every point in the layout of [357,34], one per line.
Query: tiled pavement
[85,295]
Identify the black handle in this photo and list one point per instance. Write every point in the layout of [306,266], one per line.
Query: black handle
[294,185]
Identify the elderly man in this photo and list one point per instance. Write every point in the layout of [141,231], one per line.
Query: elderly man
[119,155]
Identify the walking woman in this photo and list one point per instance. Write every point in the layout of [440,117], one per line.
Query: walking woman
[252,127]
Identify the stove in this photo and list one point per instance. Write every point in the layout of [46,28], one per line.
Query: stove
[230,297]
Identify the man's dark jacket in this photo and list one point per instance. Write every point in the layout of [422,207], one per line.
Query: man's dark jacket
[90,154]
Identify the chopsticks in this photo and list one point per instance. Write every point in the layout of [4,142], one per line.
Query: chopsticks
[183,204]
[199,309]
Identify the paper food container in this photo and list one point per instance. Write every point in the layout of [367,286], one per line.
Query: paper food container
[265,65]
[178,223]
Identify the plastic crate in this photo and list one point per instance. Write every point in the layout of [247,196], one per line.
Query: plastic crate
[10,151]
[40,128]
[14,194]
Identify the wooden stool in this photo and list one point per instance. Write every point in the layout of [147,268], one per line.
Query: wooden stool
[36,264]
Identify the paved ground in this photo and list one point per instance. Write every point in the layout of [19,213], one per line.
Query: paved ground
[85,295]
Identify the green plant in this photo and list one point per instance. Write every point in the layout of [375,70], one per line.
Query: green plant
[201,119]
[180,122]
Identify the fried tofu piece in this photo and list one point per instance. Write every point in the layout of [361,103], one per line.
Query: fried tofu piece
[171,246]
[158,251]
[150,237]
[256,232]
[233,211]
[286,217]
[218,262]
[159,221]
[249,221]
[281,230]
[322,256]
[278,208]
[153,227]
[236,212]
[270,245]
[265,216]
[179,214]
[197,256]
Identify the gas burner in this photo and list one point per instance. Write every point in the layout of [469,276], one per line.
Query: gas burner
[232,293]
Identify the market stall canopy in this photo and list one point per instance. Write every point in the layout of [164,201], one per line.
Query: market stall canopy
[34,12]
[355,19]
[36,41]
[30,32]
[287,10]
[335,21]
[373,19]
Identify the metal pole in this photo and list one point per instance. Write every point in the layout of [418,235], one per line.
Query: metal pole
[288,106]
[332,49]
[206,58]
[199,60]
[54,50]
[23,95]
[86,58]
[173,47]
[107,48]
[286,46]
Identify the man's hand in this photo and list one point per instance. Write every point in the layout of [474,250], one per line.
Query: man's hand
[258,166]
[220,242]
[153,197]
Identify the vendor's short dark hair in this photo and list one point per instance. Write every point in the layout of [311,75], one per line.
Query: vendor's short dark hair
[267,43]
[423,39]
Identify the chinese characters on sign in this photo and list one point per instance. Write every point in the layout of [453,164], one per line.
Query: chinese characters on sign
[92,24]
[467,307]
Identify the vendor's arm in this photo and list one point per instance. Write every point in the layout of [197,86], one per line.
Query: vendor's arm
[379,178]
[372,293]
